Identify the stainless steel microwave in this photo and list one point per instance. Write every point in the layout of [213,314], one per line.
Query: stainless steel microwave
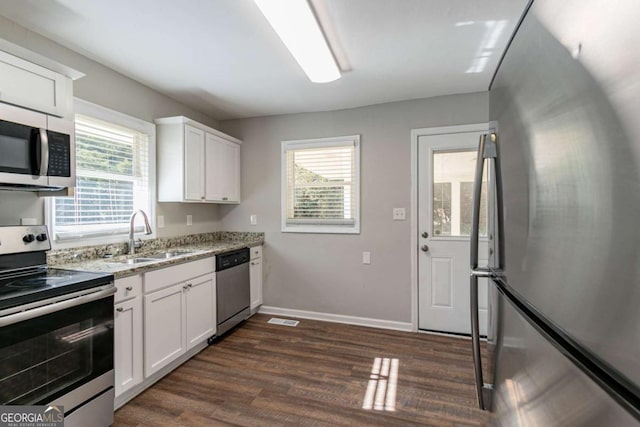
[37,151]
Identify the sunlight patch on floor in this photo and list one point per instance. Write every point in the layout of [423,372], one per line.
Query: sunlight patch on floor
[383,384]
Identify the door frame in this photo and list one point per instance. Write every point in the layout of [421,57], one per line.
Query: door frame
[415,135]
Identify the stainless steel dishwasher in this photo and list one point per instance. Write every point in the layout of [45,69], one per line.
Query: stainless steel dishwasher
[232,289]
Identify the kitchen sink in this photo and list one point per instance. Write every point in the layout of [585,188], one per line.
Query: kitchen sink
[154,257]
[136,260]
[168,255]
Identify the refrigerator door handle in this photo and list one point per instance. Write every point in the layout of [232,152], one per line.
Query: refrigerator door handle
[487,149]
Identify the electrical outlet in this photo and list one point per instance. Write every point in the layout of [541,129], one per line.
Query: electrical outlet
[189,219]
[160,221]
[399,214]
[28,221]
[253,219]
[366,258]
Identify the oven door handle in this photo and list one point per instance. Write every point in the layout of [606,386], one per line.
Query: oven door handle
[58,306]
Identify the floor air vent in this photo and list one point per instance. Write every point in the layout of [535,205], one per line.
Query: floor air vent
[284,322]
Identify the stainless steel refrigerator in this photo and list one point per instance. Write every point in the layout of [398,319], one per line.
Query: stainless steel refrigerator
[564,325]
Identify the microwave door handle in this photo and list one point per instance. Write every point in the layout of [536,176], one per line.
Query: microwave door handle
[44,152]
[35,150]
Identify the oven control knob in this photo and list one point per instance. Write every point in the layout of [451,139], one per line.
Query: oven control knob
[41,237]
[28,238]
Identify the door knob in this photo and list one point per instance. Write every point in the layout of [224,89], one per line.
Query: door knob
[425,234]
[424,248]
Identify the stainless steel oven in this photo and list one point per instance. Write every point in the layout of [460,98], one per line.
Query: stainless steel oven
[36,150]
[56,332]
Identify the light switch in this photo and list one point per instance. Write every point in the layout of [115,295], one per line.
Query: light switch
[160,221]
[189,219]
[366,258]
[399,214]
[253,219]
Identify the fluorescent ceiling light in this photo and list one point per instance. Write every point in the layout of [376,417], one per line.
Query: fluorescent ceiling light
[296,25]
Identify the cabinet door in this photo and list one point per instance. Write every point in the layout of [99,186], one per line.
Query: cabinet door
[230,171]
[255,280]
[222,170]
[200,298]
[164,326]
[29,85]
[128,344]
[194,160]
[213,182]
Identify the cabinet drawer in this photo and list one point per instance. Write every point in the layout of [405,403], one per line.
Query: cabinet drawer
[128,287]
[168,276]
[256,252]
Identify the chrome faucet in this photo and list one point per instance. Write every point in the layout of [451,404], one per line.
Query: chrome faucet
[133,245]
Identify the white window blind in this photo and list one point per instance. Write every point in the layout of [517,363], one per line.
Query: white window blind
[112,181]
[321,185]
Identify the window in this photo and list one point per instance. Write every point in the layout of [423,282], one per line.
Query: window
[321,185]
[453,194]
[114,177]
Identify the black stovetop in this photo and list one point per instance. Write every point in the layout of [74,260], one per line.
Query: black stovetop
[43,283]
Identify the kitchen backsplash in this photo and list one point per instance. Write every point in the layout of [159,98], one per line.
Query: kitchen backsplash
[64,256]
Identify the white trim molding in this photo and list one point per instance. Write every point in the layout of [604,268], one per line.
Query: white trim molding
[415,135]
[337,318]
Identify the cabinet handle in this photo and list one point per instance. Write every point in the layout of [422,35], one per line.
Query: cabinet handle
[189,285]
[253,263]
[185,287]
[129,288]
[225,198]
[119,309]
[202,197]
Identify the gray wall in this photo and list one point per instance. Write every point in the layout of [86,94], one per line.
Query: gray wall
[324,272]
[106,87]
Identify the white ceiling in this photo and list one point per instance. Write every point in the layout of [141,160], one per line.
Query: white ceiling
[222,58]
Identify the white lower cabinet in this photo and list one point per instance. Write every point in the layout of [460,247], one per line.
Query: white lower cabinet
[179,305]
[128,345]
[164,327]
[200,309]
[127,357]
[179,311]
[255,277]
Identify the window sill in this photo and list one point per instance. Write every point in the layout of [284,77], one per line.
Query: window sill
[321,230]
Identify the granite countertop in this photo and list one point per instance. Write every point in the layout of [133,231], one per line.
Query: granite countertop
[117,265]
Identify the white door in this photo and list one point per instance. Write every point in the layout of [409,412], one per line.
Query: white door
[230,171]
[255,279]
[128,344]
[213,152]
[446,166]
[193,163]
[164,328]
[200,299]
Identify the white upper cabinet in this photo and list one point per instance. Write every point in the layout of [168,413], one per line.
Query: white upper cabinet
[196,163]
[32,86]
[222,173]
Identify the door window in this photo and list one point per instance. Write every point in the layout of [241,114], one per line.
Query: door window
[452,195]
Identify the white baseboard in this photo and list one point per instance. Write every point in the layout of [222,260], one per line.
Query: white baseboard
[338,318]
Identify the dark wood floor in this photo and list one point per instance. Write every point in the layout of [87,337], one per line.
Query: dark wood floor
[315,374]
